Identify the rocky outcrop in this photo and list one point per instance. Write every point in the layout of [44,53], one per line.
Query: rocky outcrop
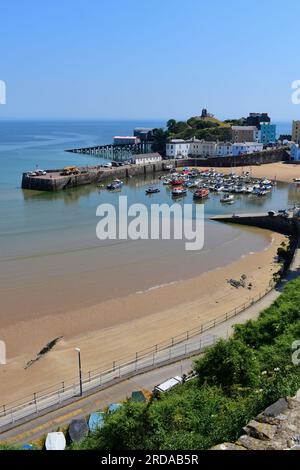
[276,428]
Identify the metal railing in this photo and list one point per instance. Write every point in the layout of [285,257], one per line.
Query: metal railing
[180,346]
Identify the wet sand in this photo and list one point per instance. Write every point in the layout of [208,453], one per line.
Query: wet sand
[116,328]
[279,171]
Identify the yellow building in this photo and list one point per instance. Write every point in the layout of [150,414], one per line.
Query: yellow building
[296,132]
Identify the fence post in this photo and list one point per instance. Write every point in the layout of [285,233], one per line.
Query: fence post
[114,365]
[35,402]
[153,362]
[63,387]
[4,410]
[187,335]
[89,376]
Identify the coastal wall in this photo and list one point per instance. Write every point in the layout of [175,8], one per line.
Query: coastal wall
[54,181]
[270,156]
[277,223]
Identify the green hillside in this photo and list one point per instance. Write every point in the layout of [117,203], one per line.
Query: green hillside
[208,128]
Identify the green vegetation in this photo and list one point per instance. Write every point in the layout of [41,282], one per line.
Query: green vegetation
[235,380]
[207,128]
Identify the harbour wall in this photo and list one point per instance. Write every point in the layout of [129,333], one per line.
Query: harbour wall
[267,156]
[54,181]
[276,223]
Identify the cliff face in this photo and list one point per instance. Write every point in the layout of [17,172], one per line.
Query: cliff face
[276,428]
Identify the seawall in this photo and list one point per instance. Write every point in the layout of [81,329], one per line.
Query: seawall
[275,223]
[55,181]
[267,156]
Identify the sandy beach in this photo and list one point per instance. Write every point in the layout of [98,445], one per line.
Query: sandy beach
[115,329]
[279,171]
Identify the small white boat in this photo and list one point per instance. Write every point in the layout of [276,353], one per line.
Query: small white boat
[249,190]
[55,441]
[228,199]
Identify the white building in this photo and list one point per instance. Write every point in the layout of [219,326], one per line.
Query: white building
[144,159]
[224,149]
[295,152]
[177,148]
[246,148]
[126,140]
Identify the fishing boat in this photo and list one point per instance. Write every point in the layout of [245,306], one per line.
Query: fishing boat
[177,182]
[201,193]
[249,190]
[261,192]
[228,199]
[152,190]
[189,184]
[179,191]
[116,184]
[239,189]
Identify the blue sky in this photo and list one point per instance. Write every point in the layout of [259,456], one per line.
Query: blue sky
[148,58]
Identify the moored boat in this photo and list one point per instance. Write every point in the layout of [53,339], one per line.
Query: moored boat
[152,190]
[116,184]
[179,191]
[177,182]
[201,193]
[228,199]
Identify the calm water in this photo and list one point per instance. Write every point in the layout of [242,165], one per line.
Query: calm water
[48,240]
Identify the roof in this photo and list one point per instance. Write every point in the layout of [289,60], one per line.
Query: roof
[168,384]
[237,144]
[244,128]
[125,137]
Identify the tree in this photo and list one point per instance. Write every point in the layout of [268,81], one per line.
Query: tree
[171,125]
[228,364]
